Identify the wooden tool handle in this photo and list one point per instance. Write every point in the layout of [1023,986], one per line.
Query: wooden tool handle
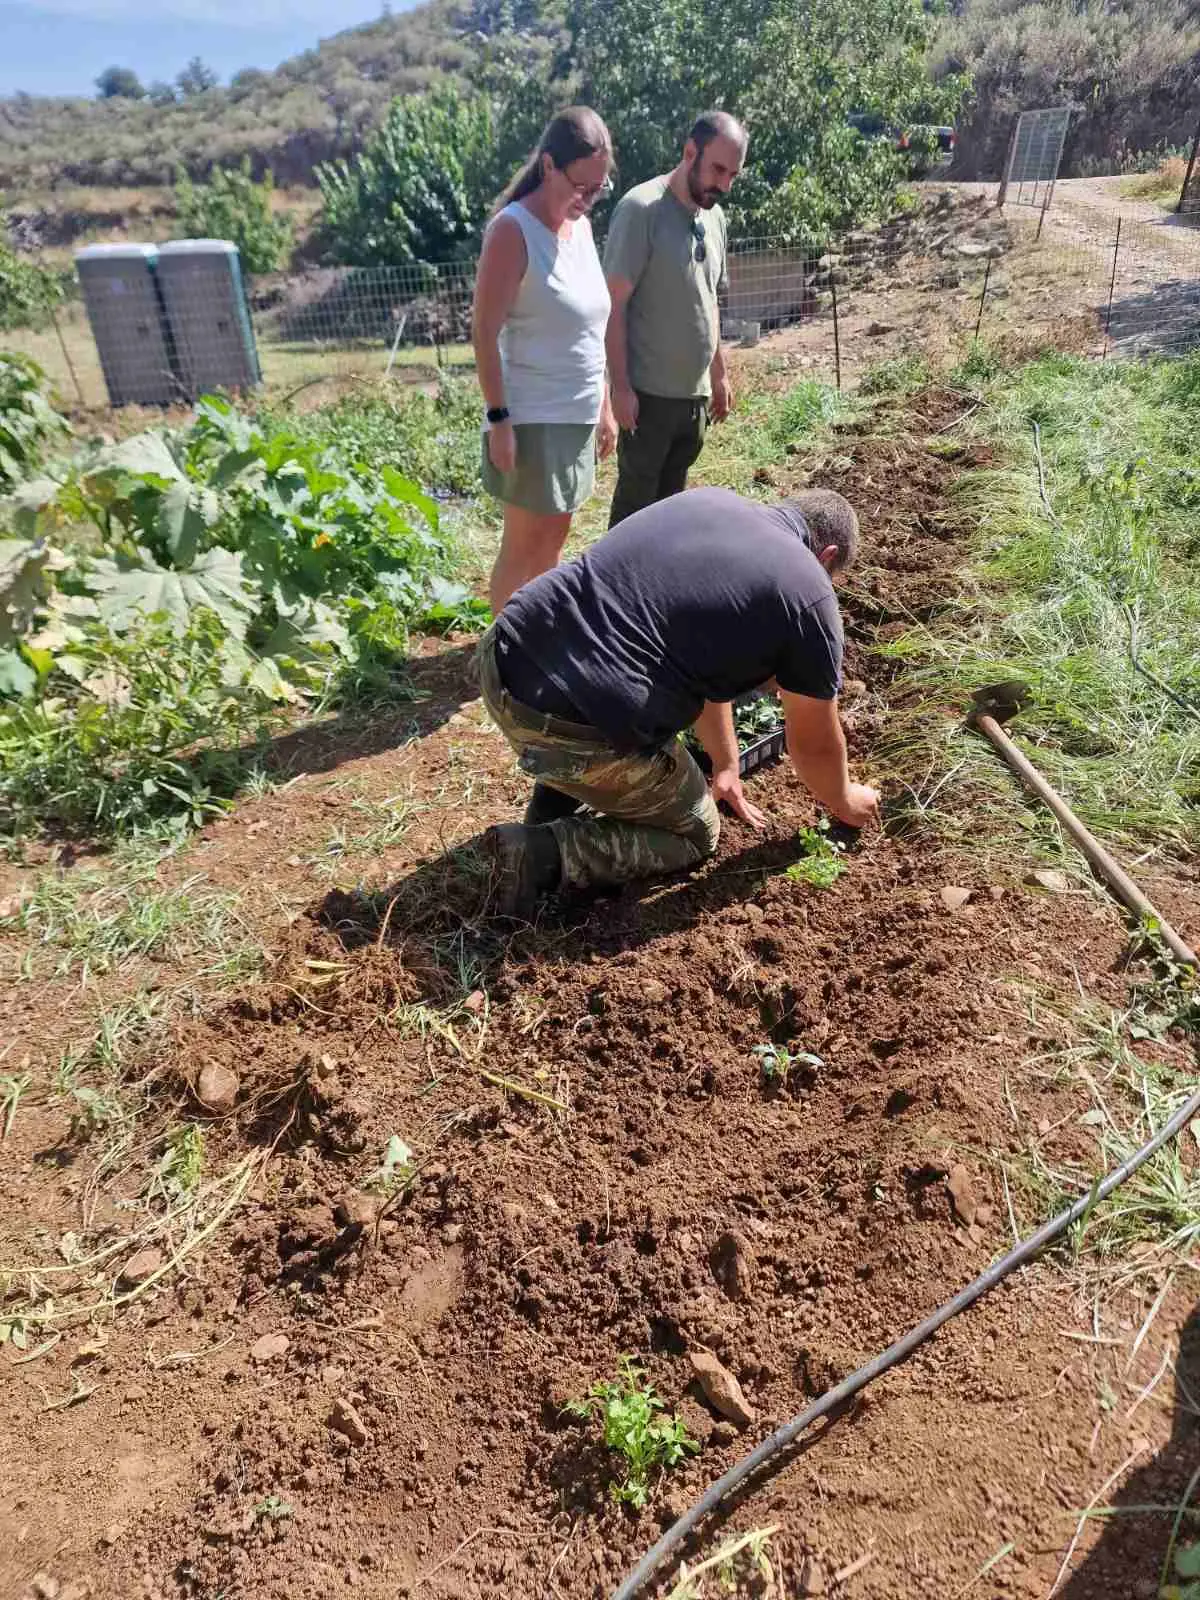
[1111,871]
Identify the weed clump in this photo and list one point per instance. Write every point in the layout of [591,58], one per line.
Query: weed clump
[635,1428]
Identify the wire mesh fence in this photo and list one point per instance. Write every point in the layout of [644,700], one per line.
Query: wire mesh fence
[931,280]
[1034,156]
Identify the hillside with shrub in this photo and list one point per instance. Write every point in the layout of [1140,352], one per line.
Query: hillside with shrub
[314,107]
[1130,68]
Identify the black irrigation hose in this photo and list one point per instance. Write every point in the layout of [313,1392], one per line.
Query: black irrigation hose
[898,1352]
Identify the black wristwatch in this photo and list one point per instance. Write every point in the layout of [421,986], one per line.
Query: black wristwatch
[497,414]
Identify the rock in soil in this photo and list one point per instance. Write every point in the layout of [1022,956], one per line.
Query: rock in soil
[269,1347]
[1049,878]
[732,1266]
[721,1389]
[344,1419]
[812,1578]
[953,897]
[217,1088]
[962,1195]
[139,1268]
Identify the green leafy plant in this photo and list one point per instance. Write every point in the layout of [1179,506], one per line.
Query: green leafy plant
[895,375]
[180,1168]
[822,863]
[29,424]
[232,206]
[395,1171]
[272,1508]
[29,291]
[777,1063]
[419,189]
[756,717]
[635,1428]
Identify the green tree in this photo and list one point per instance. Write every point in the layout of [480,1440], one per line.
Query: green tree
[120,83]
[420,188]
[792,71]
[28,291]
[161,94]
[196,78]
[232,206]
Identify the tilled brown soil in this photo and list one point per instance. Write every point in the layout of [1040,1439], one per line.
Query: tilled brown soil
[652,1195]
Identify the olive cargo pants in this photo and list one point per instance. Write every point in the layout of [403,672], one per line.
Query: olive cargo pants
[653,460]
[655,813]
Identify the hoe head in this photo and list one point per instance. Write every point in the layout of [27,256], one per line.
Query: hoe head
[1000,701]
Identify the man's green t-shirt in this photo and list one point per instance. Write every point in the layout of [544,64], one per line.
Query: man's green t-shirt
[672,315]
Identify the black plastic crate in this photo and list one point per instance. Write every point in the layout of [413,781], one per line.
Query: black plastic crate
[764,750]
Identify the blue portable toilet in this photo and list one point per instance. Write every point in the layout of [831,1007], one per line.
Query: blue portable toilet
[120,292]
[204,294]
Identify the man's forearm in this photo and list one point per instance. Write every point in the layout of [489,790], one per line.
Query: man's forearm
[716,369]
[715,731]
[616,347]
[824,772]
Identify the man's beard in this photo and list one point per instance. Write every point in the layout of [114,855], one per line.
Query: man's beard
[706,199]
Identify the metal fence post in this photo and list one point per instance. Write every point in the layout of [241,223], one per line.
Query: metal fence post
[837,342]
[1112,284]
[1008,165]
[987,278]
[67,356]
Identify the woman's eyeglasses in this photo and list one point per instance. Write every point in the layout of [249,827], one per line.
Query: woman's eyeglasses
[590,192]
[701,246]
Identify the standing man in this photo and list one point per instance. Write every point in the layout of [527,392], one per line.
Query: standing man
[665,264]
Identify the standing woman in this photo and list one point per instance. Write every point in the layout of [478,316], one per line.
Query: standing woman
[540,313]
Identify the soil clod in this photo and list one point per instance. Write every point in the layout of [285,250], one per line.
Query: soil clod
[217,1088]
[721,1389]
[345,1420]
[732,1266]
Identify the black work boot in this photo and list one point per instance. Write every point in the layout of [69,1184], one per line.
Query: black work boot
[525,864]
[547,804]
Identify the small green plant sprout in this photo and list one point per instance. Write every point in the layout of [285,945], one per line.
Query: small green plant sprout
[272,1509]
[11,1090]
[179,1169]
[635,1428]
[778,1063]
[1184,1562]
[95,1109]
[395,1172]
[742,1557]
[821,864]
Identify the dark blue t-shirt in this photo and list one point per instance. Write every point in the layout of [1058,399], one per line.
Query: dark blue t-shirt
[702,596]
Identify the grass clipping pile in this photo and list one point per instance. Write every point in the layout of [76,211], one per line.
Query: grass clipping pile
[692,1153]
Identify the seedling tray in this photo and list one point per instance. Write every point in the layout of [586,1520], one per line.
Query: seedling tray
[766,748]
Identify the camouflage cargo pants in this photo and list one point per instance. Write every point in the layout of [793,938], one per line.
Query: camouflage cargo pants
[654,812]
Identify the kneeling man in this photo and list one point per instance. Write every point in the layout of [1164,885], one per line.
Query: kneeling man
[593,670]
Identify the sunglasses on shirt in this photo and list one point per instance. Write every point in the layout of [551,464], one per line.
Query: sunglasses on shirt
[701,254]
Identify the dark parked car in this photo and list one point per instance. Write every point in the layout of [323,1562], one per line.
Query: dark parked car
[930,148]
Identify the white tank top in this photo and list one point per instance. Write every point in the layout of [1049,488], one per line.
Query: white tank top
[552,343]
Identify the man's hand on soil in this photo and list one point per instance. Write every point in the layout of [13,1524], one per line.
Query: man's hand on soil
[727,787]
[862,806]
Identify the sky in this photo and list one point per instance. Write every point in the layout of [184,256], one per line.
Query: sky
[59,46]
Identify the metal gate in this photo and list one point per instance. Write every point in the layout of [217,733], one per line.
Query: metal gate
[1034,157]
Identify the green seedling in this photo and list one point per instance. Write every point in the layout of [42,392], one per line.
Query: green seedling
[821,864]
[11,1090]
[743,1556]
[634,1428]
[181,1165]
[272,1509]
[778,1063]
[395,1171]
[760,716]
[94,1111]
[1186,1564]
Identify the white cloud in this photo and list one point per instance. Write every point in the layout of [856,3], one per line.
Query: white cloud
[251,14]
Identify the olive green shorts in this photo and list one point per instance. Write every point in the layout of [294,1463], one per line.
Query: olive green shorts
[555,470]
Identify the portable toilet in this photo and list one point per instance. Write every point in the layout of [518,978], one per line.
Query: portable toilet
[120,292]
[205,298]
